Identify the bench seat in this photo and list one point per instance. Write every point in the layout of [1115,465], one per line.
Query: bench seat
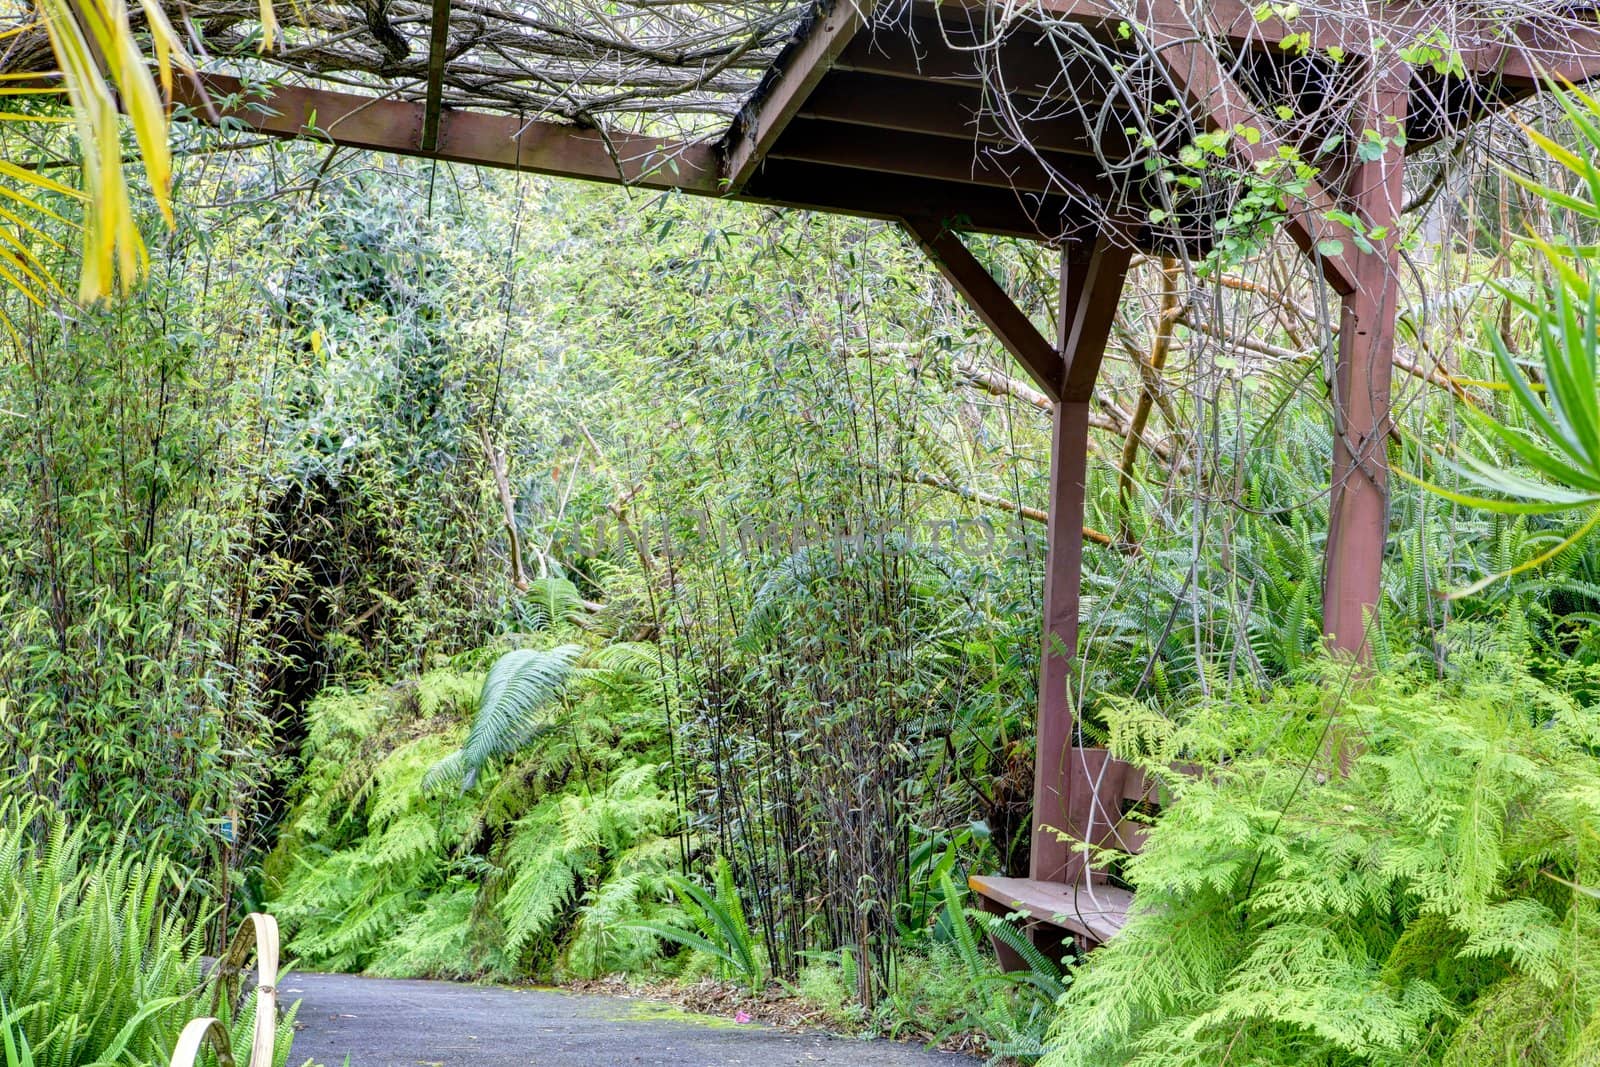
[1093,913]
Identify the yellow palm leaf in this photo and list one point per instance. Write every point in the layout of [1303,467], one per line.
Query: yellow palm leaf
[96,49]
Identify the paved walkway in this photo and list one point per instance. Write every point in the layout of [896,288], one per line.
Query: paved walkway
[381,1022]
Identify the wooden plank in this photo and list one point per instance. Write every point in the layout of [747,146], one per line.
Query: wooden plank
[1223,106]
[968,208]
[1564,49]
[794,75]
[363,122]
[1094,912]
[998,311]
[1233,21]
[477,138]
[950,50]
[960,112]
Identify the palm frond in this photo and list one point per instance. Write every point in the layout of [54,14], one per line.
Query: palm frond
[515,704]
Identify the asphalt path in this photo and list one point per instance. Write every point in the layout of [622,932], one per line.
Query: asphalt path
[385,1022]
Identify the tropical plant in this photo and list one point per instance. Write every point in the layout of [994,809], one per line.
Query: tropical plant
[389,866]
[514,706]
[1553,423]
[581,865]
[13,1041]
[1013,1008]
[103,71]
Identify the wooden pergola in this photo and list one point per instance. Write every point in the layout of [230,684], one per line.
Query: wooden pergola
[896,117]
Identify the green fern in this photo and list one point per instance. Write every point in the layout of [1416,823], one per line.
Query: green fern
[564,840]
[435,940]
[99,957]
[383,871]
[720,931]
[1014,1009]
[605,939]
[1287,914]
[551,602]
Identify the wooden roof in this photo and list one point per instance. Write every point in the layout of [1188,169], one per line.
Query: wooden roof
[1037,121]
[1055,120]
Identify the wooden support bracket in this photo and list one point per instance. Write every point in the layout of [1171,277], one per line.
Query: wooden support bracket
[1092,274]
[998,311]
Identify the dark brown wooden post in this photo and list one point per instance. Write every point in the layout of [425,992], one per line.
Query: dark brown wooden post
[1359,506]
[1092,273]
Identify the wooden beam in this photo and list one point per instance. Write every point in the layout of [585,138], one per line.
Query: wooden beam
[1092,274]
[797,72]
[478,139]
[1223,106]
[438,44]
[1514,52]
[1013,328]
[1095,271]
[969,208]
[943,50]
[472,137]
[1565,48]
[1358,514]
[1232,21]
[913,155]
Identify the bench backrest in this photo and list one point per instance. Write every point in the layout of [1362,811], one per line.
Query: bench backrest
[1109,802]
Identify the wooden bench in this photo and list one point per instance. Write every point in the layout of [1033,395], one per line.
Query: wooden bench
[1087,905]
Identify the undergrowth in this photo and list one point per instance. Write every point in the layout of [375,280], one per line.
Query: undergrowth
[446,827]
[420,846]
[100,955]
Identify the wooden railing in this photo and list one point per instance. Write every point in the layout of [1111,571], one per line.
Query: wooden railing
[260,933]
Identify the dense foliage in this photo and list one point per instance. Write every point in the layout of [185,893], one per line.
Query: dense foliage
[1422,908]
[495,577]
[388,865]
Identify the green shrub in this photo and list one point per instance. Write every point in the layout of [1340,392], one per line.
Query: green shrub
[99,956]
[366,848]
[1418,909]
[434,835]
[95,955]
[716,927]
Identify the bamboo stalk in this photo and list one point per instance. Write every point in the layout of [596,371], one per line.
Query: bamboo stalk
[1434,376]
[1150,377]
[997,383]
[502,484]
